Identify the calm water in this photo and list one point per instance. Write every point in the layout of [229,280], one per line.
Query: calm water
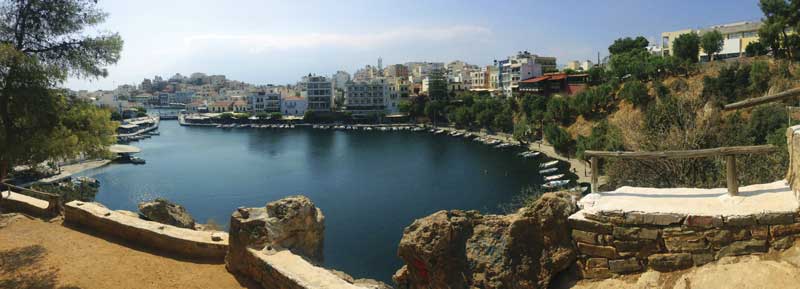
[369,185]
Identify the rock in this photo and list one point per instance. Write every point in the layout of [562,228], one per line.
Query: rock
[777,231]
[783,243]
[624,266]
[598,251]
[743,248]
[703,258]
[458,249]
[775,218]
[583,236]
[740,221]
[584,224]
[163,211]
[678,241]
[295,223]
[703,221]
[658,219]
[595,268]
[371,284]
[635,233]
[760,233]
[292,223]
[670,261]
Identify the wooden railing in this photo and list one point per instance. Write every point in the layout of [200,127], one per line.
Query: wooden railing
[728,152]
[55,205]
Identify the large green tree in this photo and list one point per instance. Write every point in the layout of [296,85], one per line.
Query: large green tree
[780,17]
[437,85]
[687,47]
[711,42]
[42,42]
[627,44]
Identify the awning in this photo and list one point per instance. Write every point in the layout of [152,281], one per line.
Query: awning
[535,79]
[123,149]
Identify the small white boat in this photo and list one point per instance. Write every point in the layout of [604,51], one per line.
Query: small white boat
[503,145]
[548,171]
[555,184]
[456,134]
[441,131]
[548,164]
[553,177]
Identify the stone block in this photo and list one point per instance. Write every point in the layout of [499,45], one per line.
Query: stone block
[635,233]
[670,261]
[703,221]
[687,241]
[740,221]
[783,243]
[759,233]
[702,259]
[597,263]
[606,240]
[585,237]
[624,266]
[775,218]
[778,231]
[598,251]
[743,248]
[589,225]
[587,272]
[718,237]
[658,219]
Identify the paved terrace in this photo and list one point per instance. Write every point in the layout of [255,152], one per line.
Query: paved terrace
[774,197]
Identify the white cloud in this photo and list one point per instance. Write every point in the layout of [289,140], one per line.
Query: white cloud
[258,43]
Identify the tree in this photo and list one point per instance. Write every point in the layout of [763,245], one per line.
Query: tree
[275,116]
[627,44]
[756,48]
[43,42]
[635,92]
[687,47]
[711,42]
[781,17]
[559,138]
[437,85]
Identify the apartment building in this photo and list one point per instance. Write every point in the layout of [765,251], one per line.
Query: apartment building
[264,101]
[736,38]
[319,92]
[362,98]
[523,65]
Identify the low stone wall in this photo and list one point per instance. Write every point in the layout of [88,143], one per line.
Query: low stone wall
[15,202]
[616,242]
[210,245]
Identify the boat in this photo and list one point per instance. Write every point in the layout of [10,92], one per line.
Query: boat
[548,171]
[548,164]
[553,177]
[137,160]
[555,184]
[440,131]
[456,134]
[503,145]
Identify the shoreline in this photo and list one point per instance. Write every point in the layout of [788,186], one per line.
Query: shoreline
[68,171]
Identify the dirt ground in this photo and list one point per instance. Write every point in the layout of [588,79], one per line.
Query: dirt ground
[39,254]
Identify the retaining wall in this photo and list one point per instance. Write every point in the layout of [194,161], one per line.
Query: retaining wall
[616,242]
[15,202]
[185,243]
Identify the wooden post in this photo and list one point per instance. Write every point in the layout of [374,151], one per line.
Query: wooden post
[730,172]
[595,173]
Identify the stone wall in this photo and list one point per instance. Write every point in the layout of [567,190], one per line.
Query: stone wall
[616,242]
[15,202]
[186,243]
[793,172]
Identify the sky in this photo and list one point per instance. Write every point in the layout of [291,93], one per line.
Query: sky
[277,42]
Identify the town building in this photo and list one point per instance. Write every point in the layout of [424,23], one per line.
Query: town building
[340,79]
[523,65]
[365,74]
[557,83]
[736,37]
[319,92]
[399,90]
[362,98]
[264,101]
[294,106]
[396,70]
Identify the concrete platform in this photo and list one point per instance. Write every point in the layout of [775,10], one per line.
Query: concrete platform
[774,197]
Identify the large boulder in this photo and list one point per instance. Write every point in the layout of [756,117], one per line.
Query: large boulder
[458,249]
[163,211]
[293,223]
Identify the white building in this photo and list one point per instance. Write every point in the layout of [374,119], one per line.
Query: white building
[340,79]
[362,98]
[294,106]
[319,92]
[264,101]
[522,66]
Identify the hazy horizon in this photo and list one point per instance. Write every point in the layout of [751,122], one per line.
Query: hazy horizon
[279,42]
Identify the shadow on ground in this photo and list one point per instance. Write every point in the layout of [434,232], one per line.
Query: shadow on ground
[22,268]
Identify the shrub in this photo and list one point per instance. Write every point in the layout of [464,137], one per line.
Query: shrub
[559,138]
[635,92]
[759,76]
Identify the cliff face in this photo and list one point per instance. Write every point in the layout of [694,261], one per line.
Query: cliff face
[458,249]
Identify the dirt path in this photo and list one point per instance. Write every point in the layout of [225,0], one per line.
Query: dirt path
[37,254]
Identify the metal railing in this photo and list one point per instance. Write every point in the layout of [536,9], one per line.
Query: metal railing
[729,153]
[55,203]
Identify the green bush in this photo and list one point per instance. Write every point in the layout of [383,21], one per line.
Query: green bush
[759,76]
[635,92]
[603,137]
[765,119]
[559,138]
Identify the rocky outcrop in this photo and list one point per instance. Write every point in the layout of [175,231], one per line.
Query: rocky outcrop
[464,249]
[292,223]
[163,211]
